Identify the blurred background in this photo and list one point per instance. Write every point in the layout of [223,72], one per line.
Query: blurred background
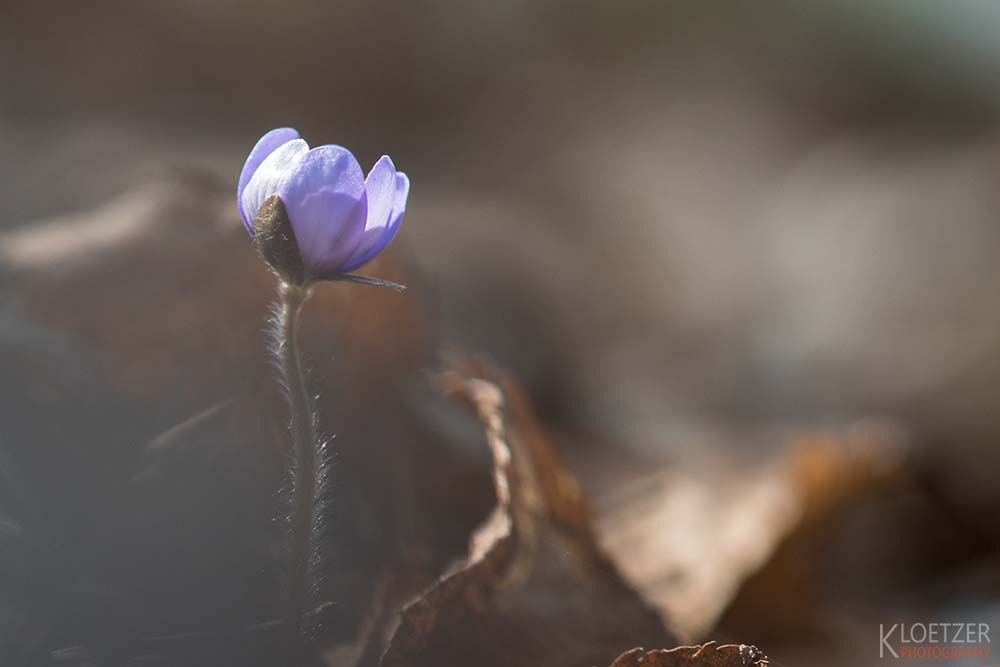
[684,227]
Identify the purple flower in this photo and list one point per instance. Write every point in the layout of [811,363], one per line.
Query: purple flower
[340,219]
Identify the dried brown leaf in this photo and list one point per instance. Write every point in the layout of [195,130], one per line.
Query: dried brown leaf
[535,586]
[688,537]
[705,655]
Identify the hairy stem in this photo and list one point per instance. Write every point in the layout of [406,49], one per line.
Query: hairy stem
[305,449]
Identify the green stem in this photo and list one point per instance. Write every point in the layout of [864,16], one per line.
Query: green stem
[304,448]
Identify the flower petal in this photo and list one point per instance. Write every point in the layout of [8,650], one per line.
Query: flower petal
[402,189]
[399,203]
[380,187]
[324,194]
[387,233]
[268,177]
[264,147]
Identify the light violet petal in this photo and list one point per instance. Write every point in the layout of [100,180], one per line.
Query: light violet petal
[267,179]
[324,194]
[380,187]
[264,147]
[399,203]
[401,188]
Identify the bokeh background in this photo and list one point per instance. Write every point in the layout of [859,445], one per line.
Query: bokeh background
[682,226]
